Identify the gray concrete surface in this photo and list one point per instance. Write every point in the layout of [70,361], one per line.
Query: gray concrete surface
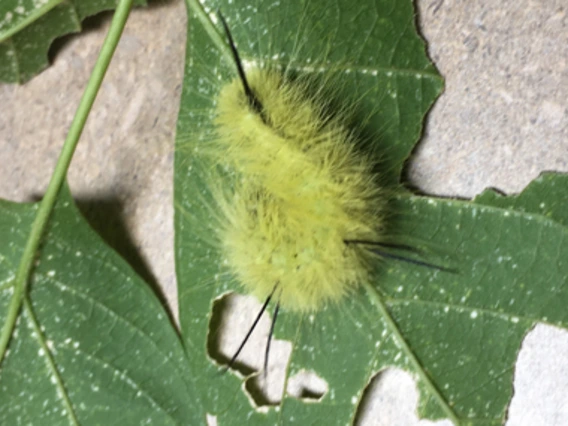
[501,121]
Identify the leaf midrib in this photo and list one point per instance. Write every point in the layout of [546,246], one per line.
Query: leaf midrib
[465,308]
[51,363]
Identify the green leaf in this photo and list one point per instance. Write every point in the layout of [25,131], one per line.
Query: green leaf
[546,196]
[92,344]
[466,328]
[28,27]
[458,333]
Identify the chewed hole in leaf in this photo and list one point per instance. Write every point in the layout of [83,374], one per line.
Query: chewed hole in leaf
[391,397]
[308,386]
[222,339]
[231,319]
[266,389]
[211,419]
[541,369]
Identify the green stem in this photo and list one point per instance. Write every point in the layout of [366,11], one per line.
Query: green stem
[378,301]
[58,176]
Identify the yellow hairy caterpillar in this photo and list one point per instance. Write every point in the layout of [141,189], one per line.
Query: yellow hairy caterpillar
[303,193]
[302,222]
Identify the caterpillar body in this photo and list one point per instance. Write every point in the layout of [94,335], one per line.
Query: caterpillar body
[302,193]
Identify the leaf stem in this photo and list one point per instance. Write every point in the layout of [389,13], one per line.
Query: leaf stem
[378,301]
[58,176]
